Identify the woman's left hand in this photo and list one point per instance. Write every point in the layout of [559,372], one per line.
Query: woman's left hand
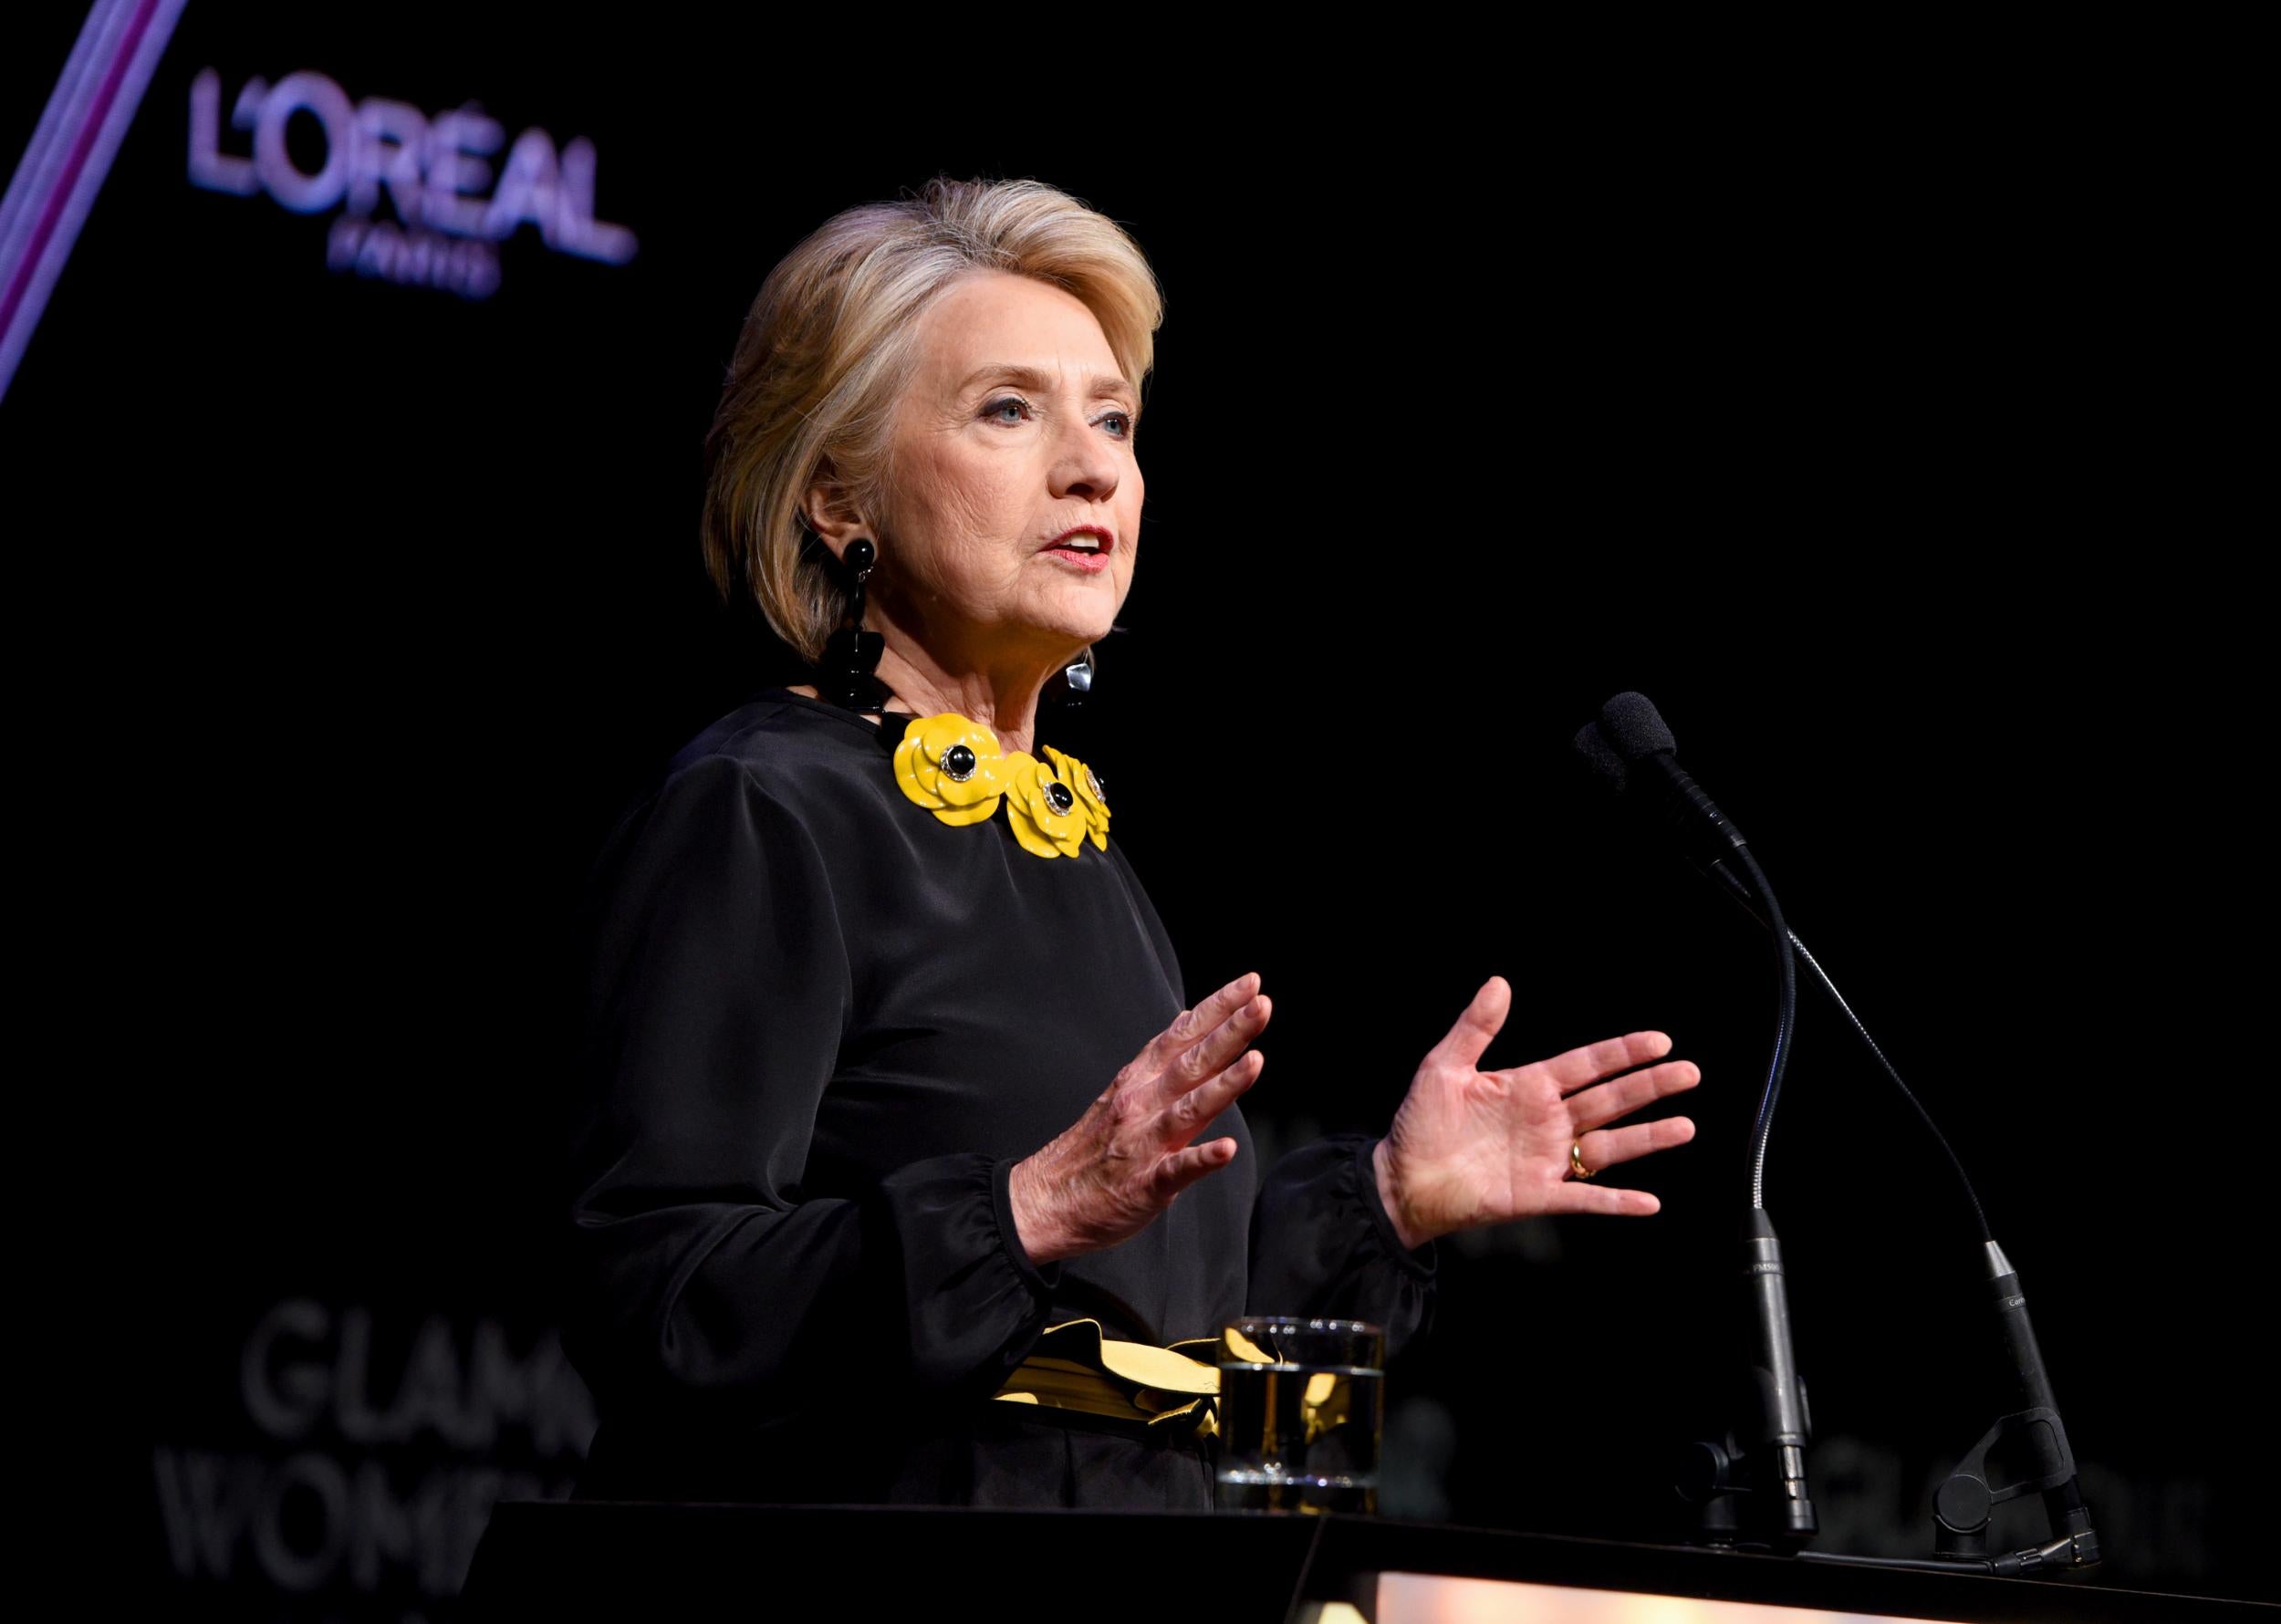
[1470,1148]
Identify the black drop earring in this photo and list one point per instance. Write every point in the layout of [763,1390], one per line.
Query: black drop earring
[843,674]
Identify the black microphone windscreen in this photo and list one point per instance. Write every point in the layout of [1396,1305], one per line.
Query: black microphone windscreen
[1635,727]
[1593,746]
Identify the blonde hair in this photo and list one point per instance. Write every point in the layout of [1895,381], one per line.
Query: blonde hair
[830,343]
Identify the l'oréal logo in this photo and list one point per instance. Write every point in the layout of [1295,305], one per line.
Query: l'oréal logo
[434,171]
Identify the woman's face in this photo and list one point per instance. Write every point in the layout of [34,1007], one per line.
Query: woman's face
[1016,427]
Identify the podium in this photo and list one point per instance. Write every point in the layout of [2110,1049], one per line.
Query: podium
[624,1560]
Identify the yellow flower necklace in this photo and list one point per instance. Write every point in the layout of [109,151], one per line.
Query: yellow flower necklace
[952,767]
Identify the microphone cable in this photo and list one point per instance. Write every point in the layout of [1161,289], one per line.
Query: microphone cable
[1644,737]
[1979,1216]
[1742,896]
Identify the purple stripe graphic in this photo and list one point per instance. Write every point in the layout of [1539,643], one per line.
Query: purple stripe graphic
[84,120]
[51,206]
[99,36]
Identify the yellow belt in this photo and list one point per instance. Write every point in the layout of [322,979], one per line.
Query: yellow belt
[1074,1367]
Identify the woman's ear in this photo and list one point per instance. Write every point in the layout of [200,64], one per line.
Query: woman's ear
[825,508]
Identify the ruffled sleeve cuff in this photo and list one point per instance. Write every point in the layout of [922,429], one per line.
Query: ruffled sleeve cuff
[1041,1278]
[972,1300]
[1420,1262]
[1321,1244]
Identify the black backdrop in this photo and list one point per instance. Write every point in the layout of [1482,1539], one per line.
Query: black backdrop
[1888,451]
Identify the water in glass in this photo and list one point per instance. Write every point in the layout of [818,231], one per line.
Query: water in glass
[1302,1406]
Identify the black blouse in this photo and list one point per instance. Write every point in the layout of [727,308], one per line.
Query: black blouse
[822,1027]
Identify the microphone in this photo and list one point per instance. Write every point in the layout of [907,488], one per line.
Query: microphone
[2040,1455]
[1632,744]
[1611,769]
[1705,836]
[1633,732]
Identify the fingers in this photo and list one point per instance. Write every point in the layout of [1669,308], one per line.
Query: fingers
[1110,1172]
[1607,1149]
[1607,1200]
[1210,1054]
[1175,1172]
[1580,1069]
[1482,1020]
[1612,1145]
[1195,1110]
[1593,1108]
[1192,1024]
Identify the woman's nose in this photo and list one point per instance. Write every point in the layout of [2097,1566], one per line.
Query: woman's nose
[1085,464]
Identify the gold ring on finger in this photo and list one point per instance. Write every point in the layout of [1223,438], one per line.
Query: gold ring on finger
[1576,1159]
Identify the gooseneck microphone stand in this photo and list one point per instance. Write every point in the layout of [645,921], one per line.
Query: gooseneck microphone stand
[1749,1486]
[2029,1437]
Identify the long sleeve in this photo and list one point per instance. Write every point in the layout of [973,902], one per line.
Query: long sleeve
[707,1287]
[1321,1244]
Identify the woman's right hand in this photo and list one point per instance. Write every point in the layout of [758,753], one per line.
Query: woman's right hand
[1121,1163]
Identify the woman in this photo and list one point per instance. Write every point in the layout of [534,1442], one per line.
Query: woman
[890,1069]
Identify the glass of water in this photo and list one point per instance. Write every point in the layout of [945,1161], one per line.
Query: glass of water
[1302,1406]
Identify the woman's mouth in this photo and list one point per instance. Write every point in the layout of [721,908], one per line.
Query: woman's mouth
[1085,548]
[1082,552]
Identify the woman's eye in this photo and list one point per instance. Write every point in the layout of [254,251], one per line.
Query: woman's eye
[1123,420]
